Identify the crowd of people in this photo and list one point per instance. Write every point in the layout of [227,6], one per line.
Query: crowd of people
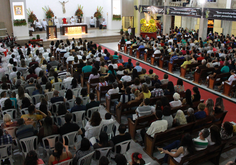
[32,65]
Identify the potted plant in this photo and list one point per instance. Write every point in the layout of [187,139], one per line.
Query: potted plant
[38,37]
[126,33]
[121,32]
[48,12]
[33,38]
[79,12]
[98,15]
[31,16]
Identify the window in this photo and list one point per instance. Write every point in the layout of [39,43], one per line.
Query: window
[211,0]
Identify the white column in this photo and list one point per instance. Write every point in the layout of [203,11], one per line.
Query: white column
[203,28]
[166,20]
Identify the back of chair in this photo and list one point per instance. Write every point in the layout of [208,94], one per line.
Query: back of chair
[57,85]
[71,103]
[93,132]
[76,91]
[90,112]
[67,162]
[5,151]
[108,128]
[49,95]
[11,112]
[55,107]
[43,86]
[123,145]
[24,111]
[50,78]
[28,144]
[60,120]
[71,137]
[86,160]
[11,131]
[36,98]
[79,116]
[30,90]
[85,100]
[52,139]
[104,151]
[62,92]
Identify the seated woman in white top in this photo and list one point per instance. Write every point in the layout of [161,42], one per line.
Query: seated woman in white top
[95,121]
[94,75]
[176,102]
[113,63]
[102,82]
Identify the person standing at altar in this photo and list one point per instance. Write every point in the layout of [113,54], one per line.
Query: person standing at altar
[45,24]
[91,22]
[64,20]
[129,30]
[72,20]
[38,25]
[56,22]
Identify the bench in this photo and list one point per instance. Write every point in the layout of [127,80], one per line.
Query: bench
[127,46]
[228,89]
[175,63]
[125,109]
[92,81]
[148,54]
[103,90]
[138,52]
[188,68]
[109,100]
[202,74]
[155,56]
[84,76]
[162,60]
[131,50]
[120,45]
[217,79]
[139,123]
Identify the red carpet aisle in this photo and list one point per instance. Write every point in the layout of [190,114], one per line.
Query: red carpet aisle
[229,106]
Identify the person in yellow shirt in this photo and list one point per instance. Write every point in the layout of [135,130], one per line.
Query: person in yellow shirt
[31,118]
[143,75]
[187,62]
[151,74]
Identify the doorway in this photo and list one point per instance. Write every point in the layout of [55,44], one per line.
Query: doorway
[210,26]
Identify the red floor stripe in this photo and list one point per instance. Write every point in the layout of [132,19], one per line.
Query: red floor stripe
[231,116]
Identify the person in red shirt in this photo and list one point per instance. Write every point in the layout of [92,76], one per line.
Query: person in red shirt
[64,21]
[200,58]
[183,51]
[31,74]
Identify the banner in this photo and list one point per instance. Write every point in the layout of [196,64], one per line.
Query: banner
[223,14]
[157,9]
[183,11]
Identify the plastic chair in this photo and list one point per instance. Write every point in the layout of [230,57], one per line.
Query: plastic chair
[108,128]
[76,91]
[103,152]
[52,139]
[24,111]
[49,95]
[65,162]
[28,144]
[123,147]
[43,86]
[62,77]
[90,112]
[11,131]
[71,103]
[29,90]
[60,120]
[15,90]
[62,92]
[11,112]
[71,138]
[57,85]
[6,153]
[37,98]
[85,160]
[50,78]
[55,107]
[67,84]
[79,117]
[85,100]
[93,132]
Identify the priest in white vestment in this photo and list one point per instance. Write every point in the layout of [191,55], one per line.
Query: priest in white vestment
[45,24]
[72,20]
[56,22]
[104,24]
[38,25]
[92,22]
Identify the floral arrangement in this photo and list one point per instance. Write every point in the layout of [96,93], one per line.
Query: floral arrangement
[79,11]
[98,13]
[31,16]
[20,22]
[149,27]
[48,12]
[116,17]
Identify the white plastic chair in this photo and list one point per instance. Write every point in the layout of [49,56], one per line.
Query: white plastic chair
[30,143]
[60,120]
[123,147]
[55,107]
[90,111]
[6,152]
[62,92]
[43,86]
[93,132]
[65,162]
[11,131]
[76,91]
[62,77]
[15,90]
[108,128]
[30,90]
[24,111]
[79,117]
[52,139]
[71,138]
[85,100]
[50,78]
[11,112]
[37,98]
[49,95]
[71,103]
[103,152]
[57,85]
[86,160]
[67,84]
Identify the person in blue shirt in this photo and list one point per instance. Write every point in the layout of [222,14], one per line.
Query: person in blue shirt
[137,67]
[39,90]
[174,57]
[107,57]
[87,68]
[78,106]
[129,62]
[201,113]
[141,47]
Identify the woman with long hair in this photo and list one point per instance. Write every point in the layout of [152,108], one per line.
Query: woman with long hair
[196,94]
[58,155]
[84,149]
[69,95]
[167,116]
[95,121]
[39,90]
[219,106]
[48,128]
[226,130]
[179,149]
[56,79]
[209,107]
[48,88]
[94,75]
[74,83]
[214,137]
[32,159]
[21,94]
[180,118]
[136,84]
[145,92]
[134,74]
[170,89]
[188,98]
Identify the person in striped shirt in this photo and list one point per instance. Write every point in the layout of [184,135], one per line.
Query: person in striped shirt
[201,142]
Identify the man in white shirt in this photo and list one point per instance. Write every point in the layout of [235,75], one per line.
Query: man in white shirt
[157,51]
[2,49]
[45,24]
[13,75]
[176,102]
[104,24]
[145,109]
[115,89]
[156,127]
[56,22]
[46,55]
[67,80]
[3,98]
[128,42]
[63,50]
[70,58]
[72,20]
[91,22]
[126,77]
[38,25]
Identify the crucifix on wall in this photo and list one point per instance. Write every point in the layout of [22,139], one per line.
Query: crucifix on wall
[63,6]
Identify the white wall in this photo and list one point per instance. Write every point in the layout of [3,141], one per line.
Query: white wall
[89,8]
